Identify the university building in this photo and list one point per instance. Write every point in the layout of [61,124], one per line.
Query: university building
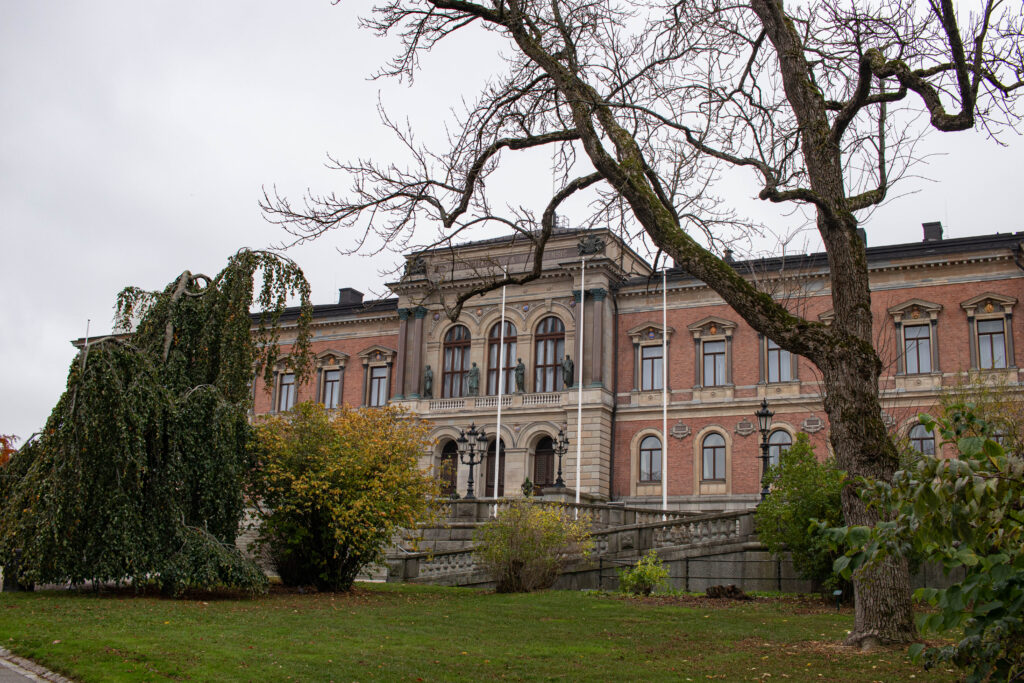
[943,309]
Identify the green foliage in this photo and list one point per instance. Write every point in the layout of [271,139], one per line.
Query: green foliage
[148,442]
[7,448]
[966,513]
[334,486]
[527,543]
[645,577]
[802,490]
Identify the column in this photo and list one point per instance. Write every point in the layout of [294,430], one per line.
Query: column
[416,350]
[580,300]
[597,338]
[403,329]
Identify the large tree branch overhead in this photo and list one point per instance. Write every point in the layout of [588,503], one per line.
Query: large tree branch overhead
[643,104]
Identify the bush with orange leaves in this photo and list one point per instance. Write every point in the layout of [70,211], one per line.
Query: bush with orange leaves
[7,448]
[332,487]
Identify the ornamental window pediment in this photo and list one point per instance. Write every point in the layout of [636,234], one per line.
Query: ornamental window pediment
[712,326]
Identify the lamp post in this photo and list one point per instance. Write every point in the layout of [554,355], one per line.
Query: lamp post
[472,446]
[560,446]
[764,423]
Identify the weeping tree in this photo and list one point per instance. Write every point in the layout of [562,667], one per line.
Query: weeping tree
[642,103]
[139,471]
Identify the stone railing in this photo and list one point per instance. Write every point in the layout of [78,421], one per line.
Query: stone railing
[721,528]
[489,402]
[447,404]
[492,402]
[602,516]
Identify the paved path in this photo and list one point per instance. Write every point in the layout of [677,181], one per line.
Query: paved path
[14,669]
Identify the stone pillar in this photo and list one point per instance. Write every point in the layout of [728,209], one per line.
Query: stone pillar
[400,363]
[416,350]
[580,300]
[597,338]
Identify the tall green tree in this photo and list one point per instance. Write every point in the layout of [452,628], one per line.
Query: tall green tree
[139,471]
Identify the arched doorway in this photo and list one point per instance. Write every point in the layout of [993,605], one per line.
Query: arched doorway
[448,469]
[544,464]
[489,482]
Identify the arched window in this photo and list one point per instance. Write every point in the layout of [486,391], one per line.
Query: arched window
[544,463]
[921,440]
[455,380]
[778,443]
[489,482]
[650,459]
[448,470]
[550,349]
[713,457]
[508,358]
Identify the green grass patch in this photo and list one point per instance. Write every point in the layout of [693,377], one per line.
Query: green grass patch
[411,633]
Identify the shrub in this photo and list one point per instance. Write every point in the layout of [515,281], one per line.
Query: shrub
[332,488]
[527,544]
[967,513]
[648,574]
[802,490]
[7,448]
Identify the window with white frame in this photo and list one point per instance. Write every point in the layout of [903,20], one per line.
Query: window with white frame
[378,387]
[917,349]
[650,460]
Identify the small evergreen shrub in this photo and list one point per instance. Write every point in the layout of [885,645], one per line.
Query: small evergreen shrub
[647,575]
[526,545]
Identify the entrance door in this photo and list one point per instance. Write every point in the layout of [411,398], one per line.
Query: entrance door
[544,463]
[489,484]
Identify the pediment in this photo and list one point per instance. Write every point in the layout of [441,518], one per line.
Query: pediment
[712,325]
[376,353]
[648,331]
[915,309]
[989,302]
[331,357]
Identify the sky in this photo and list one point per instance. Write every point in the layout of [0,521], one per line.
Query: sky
[136,138]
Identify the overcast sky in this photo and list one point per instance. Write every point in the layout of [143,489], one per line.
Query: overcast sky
[135,138]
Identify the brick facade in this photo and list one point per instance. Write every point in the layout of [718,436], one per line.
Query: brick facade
[941,289]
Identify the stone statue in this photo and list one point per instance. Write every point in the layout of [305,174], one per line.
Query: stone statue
[474,380]
[428,383]
[567,372]
[520,377]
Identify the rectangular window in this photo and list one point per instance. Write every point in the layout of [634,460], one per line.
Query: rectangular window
[650,368]
[285,392]
[917,349]
[714,363]
[991,344]
[780,363]
[331,395]
[378,386]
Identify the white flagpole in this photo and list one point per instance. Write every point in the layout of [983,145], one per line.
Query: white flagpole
[664,389]
[501,391]
[579,394]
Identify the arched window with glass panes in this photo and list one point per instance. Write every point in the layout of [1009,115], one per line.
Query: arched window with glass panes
[549,347]
[921,440]
[713,457]
[455,377]
[507,358]
[778,443]
[650,460]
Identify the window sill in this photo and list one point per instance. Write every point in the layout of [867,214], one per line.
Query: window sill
[929,381]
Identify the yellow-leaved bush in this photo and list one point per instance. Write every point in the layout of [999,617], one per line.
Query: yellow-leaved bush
[332,487]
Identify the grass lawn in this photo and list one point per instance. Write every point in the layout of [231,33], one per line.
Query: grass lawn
[413,633]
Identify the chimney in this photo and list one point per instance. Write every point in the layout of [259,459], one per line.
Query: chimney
[347,295]
[863,234]
[932,231]
[727,257]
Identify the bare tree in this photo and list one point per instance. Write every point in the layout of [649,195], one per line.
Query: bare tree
[821,102]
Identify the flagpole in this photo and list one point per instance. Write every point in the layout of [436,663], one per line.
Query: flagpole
[501,390]
[664,389]
[579,394]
